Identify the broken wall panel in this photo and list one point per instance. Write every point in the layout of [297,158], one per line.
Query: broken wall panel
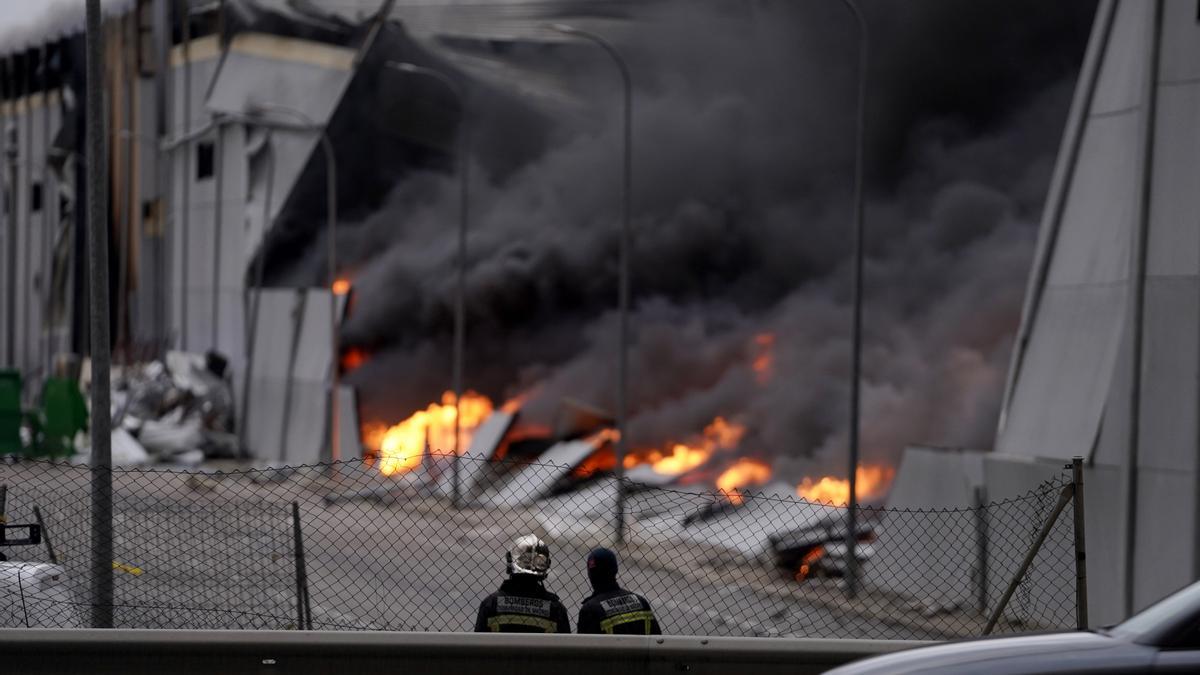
[536,481]
[474,463]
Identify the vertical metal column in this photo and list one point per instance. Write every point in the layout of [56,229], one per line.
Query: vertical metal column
[218,223]
[981,551]
[10,154]
[260,264]
[25,195]
[856,323]
[97,193]
[49,223]
[624,283]
[303,612]
[185,175]
[162,172]
[124,190]
[1137,280]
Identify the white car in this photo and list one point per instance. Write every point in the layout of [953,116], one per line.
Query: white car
[36,595]
[1164,638]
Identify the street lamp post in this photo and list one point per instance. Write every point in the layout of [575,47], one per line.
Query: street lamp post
[624,266]
[460,302]
[856,339]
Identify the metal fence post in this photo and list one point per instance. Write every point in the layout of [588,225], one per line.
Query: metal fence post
[37,516]
[99,317]
[1064,497]
[1081,599]
[303,611]
[981,550]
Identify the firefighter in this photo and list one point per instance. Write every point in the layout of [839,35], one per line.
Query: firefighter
[523,605]
[611,609]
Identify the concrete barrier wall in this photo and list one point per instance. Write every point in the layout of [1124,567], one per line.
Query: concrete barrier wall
[182,652]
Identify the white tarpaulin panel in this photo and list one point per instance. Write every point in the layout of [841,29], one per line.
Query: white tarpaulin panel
[288,418]
[1065,377]
[929,479]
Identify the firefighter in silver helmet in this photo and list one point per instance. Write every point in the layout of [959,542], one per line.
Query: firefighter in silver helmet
[523,605]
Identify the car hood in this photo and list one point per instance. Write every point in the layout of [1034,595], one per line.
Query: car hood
[1072,651]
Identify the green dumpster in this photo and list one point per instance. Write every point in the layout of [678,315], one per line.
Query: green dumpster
[10,412]
[64,414]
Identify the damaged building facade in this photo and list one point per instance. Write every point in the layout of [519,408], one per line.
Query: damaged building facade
[227,123]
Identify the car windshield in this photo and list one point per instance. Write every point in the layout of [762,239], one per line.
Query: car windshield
[1161,614]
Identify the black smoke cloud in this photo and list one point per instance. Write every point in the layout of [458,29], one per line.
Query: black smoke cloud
[744,130]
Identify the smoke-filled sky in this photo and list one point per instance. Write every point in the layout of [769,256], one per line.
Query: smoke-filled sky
[743,156]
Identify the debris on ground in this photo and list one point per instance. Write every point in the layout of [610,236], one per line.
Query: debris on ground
[178,411]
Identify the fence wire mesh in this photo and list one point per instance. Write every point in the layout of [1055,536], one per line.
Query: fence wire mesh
[208,549]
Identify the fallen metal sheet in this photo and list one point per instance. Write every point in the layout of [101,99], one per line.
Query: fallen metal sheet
[487,438]
[746,528]
[645,475]
[584,515]
[535,481]
[595,500]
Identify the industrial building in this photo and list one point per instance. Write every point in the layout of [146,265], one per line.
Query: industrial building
[226,122]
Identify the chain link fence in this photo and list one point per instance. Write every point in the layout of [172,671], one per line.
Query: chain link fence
[344,547]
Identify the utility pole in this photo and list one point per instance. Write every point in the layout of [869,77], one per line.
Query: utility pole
[97,186]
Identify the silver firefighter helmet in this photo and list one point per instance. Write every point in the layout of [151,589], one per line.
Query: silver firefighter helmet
[529,555]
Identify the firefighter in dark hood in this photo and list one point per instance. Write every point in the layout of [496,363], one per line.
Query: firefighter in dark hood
[611,609]
[523,605]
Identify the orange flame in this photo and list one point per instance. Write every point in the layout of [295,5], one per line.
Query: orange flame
[353,358]
[806,562]
[872,481]
[679,458]
[340,286]
[745,472]
[764,358]
[401,446]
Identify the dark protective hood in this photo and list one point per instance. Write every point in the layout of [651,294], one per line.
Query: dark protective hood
[602,569]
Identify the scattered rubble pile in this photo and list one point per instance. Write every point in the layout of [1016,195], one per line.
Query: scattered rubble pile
[178,412]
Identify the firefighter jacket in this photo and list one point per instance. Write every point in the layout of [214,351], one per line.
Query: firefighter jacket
[616,611]
[522,605]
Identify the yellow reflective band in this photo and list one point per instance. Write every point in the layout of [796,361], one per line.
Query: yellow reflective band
[610,623]
[496,622]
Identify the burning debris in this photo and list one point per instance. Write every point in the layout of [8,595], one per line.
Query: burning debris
[820,549]
[399,448]
[744,473]
[872,482]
